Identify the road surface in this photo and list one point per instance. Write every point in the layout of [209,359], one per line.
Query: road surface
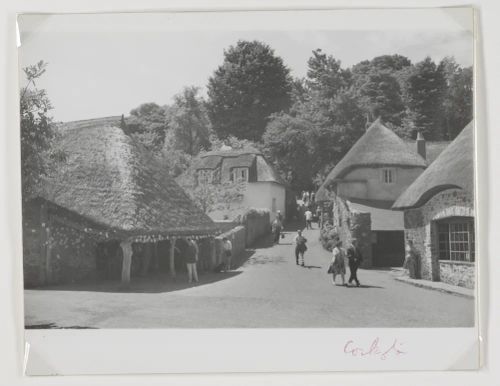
[267,290]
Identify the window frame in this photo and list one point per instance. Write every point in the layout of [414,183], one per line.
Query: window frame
[456,239]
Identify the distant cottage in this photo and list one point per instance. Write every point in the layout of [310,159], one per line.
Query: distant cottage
[439,214]
[264,189]
[109,204]
[365,184]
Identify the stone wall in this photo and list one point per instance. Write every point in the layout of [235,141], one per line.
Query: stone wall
[351,224]
[460,273]
[420,227]
[257,224]
[53,250]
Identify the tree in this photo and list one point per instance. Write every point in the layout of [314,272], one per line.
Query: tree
[250,85]
[148,125]
[457,100]
[424,92]
[37,133]
[286,143]
[325,75]
[377,84]
[188,122]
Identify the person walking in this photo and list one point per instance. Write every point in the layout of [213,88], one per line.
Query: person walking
[354,258]
[338,264]
[309,216]
[276,230]
[191,260]
[227,247]
[300,247]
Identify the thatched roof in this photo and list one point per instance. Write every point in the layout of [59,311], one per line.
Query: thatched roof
[112,180]
[454,168]
[228,159]
[432,148]
[379,146]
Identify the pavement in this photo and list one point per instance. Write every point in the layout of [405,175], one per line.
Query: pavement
[267,289]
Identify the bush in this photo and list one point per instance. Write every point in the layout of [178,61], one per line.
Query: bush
[328,236]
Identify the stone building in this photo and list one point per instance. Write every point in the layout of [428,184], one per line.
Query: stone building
[111,209]
[263,187]
[370,177]
[439,214]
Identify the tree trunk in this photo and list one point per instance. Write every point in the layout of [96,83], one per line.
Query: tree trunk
[126,262]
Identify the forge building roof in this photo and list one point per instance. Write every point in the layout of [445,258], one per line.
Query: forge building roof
[454,168]
[379,146]
[113,181]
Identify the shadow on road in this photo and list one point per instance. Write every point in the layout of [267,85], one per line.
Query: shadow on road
[156,283]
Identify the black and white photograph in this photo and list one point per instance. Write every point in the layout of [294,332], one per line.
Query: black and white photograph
[245,178]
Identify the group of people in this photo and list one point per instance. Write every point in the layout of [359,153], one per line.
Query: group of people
[308,197]
[192,255]
[337,265]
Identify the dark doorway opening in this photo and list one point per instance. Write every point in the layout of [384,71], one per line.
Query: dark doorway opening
[388,248]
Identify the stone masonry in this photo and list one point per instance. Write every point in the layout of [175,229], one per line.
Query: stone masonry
[420,226]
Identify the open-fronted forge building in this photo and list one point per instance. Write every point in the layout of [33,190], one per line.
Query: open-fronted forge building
[110,211]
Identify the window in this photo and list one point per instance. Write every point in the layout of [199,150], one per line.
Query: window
[273,205]
[239,174]
[205,176]
[456,239]
[388,176]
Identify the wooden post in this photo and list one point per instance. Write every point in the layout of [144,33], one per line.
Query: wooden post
[146,258]
[42,277]
[48,257]
[213,252]
[172,257]
[126,262]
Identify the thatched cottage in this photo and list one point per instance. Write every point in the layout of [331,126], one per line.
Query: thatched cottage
[111,200]
[439,214]
[365,184]
[264,189]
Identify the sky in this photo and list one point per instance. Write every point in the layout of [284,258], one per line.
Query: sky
[102,65]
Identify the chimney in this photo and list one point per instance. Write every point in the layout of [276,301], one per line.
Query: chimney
[421,145]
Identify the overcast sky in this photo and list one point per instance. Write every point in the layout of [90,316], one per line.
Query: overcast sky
[97,68]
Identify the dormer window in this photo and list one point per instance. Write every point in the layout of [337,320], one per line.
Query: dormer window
[239,175]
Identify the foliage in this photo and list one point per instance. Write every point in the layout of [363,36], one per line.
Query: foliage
[328,236]
[148,125]
[425,87]
[457,104]
[250,85]
[38,157]
[188,122]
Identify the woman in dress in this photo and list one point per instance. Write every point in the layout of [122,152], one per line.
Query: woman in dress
[338,263]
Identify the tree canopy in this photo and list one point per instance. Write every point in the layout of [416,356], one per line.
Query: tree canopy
[250,85]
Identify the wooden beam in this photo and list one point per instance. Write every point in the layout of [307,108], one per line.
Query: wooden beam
[213,252]
[172,257]
[126,262]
